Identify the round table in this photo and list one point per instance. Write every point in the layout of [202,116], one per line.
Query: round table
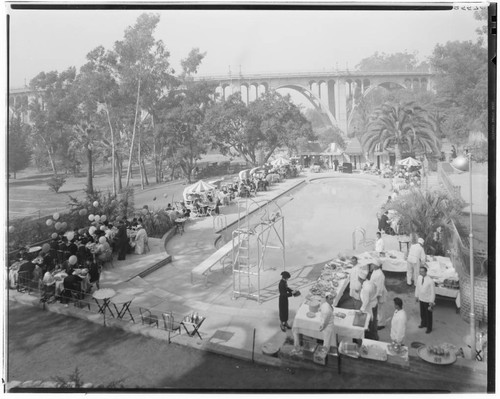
[105,295]
[424,354]
[124,300]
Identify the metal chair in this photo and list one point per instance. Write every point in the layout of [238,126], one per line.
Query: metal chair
[170,324]
[147,317]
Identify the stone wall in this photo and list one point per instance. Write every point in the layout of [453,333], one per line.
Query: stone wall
[480,297]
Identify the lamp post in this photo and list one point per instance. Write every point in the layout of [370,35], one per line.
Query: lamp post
[465,164]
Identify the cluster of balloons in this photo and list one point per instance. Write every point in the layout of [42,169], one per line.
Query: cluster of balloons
[97,218]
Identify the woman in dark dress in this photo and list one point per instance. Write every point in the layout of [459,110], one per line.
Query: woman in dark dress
[285,292]
[122,240]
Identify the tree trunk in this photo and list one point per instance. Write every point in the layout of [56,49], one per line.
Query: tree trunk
[139,158]
[90,186]
[133,133]
[113,156]
[119,168]
[398,153]
[145,174]
[51,159]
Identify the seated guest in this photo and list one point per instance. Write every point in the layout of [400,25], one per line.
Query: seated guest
[25,271]
[72,247]
[72,285]
[14,270]
[103,251]
[94,273]
[48,286]
[141,240]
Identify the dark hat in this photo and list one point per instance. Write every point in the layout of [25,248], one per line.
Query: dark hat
[285,274]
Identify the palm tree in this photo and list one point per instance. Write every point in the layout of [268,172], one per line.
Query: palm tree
[405,128]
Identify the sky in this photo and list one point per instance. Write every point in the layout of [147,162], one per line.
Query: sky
[255,41]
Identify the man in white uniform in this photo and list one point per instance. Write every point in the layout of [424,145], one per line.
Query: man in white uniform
[425,295]
[378,278]
[327,327]
[368,297]
[398,323]
[358,274]
[379,243]
[416,258]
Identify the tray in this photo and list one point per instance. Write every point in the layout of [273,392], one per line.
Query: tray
[359,319]
[436,359]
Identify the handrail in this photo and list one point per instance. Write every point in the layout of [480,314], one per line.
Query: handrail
[445,180]
[362,231]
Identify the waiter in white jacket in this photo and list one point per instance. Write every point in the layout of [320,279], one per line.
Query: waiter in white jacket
[425,295]
[378,278]
[369,304]
[327,326]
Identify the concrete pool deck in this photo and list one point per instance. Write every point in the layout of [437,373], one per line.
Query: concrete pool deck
[240,327]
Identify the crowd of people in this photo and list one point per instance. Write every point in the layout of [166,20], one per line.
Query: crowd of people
[75,253]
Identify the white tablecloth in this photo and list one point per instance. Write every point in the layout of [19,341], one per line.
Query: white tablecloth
[397,264]
[342,327]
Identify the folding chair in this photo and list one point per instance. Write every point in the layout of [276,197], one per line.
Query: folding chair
[170,324]
[147,317]
[193,327]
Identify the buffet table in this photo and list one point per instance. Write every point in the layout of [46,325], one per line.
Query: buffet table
[343,327]
[393,261]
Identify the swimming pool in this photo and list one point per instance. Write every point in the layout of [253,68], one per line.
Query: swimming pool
[322,216]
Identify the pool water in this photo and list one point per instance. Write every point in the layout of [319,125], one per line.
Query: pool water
[322,216]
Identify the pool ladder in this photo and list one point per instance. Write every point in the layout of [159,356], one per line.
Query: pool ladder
[363,241]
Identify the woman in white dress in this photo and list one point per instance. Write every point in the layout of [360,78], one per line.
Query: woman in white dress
[141,240]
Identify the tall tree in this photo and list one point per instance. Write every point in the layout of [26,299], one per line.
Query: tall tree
[143,66]
[19,151]
[50,110]
[405,128]
[391,62]
[184,120]
[270,122]
[461,80]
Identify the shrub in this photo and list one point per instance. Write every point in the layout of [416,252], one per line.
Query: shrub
[56,182]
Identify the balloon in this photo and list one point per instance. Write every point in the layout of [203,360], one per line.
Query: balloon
[70,235]
[102,228]
[57,226]
[96,204]
[72,260]
[103,218]
[64,225]
[49,222]
[45,248]
[54,235]
[11,229]
[91,217]
[144,211]
[114,202]
[81,231]
[118,218]
[92,230]
[102,240]
[56,216]
[97,218]
[82,212]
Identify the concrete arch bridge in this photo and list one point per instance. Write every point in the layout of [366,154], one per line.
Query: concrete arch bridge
[330,93]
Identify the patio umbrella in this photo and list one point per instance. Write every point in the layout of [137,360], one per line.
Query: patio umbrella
[255,170]
[197,188]
[243,175]
[280,162]
[409,162]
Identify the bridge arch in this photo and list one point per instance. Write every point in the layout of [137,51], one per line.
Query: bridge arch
[315,101]
[388,85]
